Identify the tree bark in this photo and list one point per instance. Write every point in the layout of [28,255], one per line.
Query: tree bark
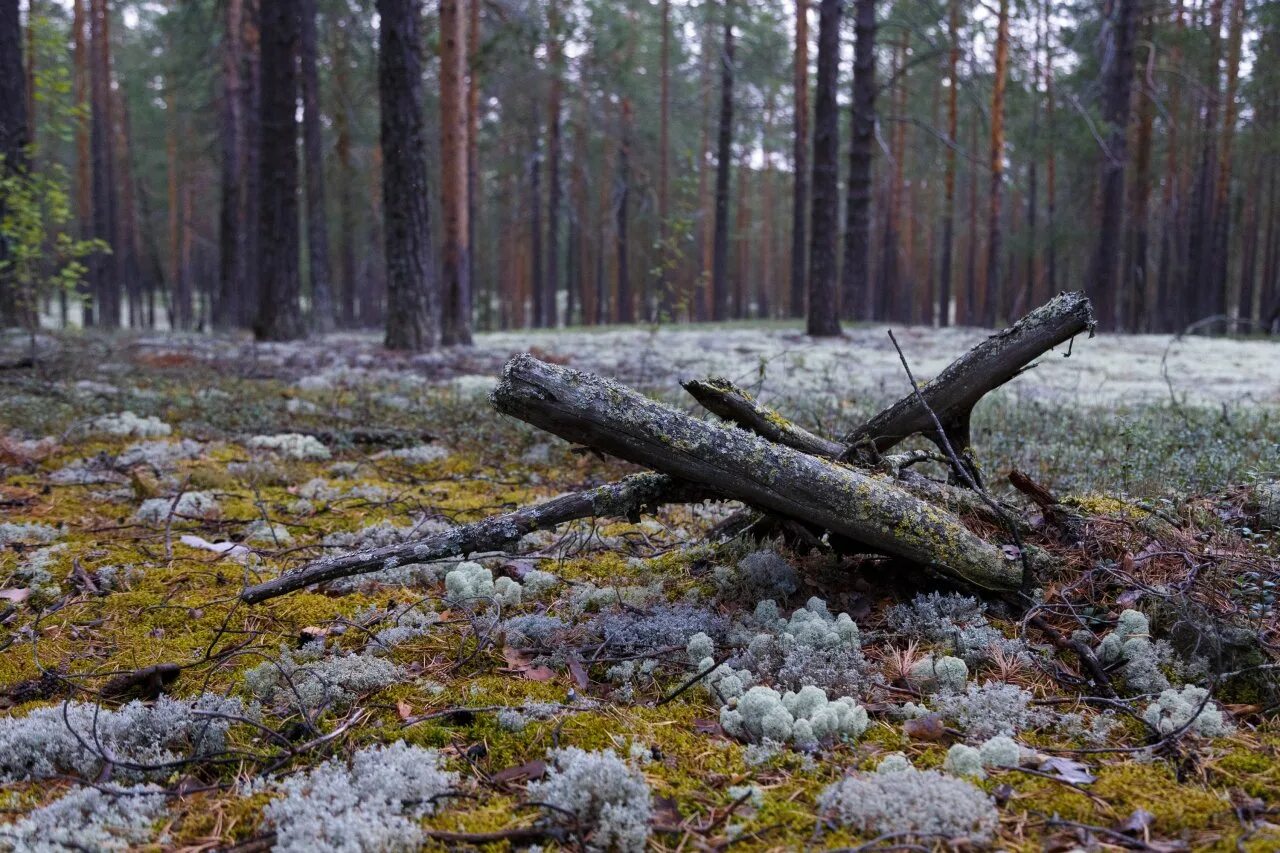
[473,159]
[232,227]
[625,309]
[724,165]
[824,297]
[455,311]
[13,139]
[104,275]
[626,498]
[800,162]
[601,414]
[856,281]
[949,180]
[666,293]
[279,314]
[413,297]
[1117,84]
[993,293]
[724,399]
[957,389]
[322,313]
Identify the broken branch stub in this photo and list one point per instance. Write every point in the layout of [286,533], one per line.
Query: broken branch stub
[721,397]
[955,391]
[598,413]
[626,498]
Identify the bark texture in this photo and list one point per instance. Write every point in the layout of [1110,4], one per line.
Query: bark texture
[590,410]
[413,317]
[955,391]
[824,298]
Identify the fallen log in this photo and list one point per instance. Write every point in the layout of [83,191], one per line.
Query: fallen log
[735,463]
[626,498]
[721,397]
[954,392]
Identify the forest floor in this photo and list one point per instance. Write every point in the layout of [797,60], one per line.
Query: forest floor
[145,480]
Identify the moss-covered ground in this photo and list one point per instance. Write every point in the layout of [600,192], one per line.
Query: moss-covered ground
[1163,518]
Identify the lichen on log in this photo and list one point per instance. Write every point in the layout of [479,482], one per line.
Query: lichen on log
[604,415]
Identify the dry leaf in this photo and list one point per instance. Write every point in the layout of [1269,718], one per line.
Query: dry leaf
[404,709]
[929,727]
[17,596]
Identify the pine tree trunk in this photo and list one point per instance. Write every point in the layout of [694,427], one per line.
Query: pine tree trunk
[231,230]
[724,156]
[1137,303]
[1222,207]
[13,142]
[1200,298]
[800,162]
[949,181]
[991,300]
[624,309]
[347,235]
[856,276]
[279,313]
[83,165]
[413,297]
[536,270]
[322,315]
[455,314]
[473,161]
[251,156]
[666,293]
[1117,84]
[1051,164]
[555,53]
[824,296]
[104,273]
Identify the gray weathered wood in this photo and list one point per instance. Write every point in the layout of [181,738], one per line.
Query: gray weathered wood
[721,397]
[626,498]
[955,391]
[598,413]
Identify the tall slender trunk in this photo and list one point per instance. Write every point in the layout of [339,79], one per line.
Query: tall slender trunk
[347,234]
[14,303]
[1117,85]
[473,161]
[231,225]
[251,156]
[129,245]
[856,275]
[1222,202]
[1029,294]
[824,295]
[1050,162]
[1201,298]
[413,295]
[625,309]
[279,313]
[455,314]
[893,302]
[1161,312]
[104,274]
[970,303]
[800,162]
[949,181]
[666,292]
[701,295]
[724,154]
[83,166]
[992,297]
[1136,297]
[180,308]
[539,302]
[555,53]
[322,316]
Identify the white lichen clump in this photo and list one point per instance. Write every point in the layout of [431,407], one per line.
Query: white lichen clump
[291,445]
[602,793]
[956,621]
[1130,644]
[472,583]
[88,819]
[1190,708]
[920,803]
[188,505]
[945,674]
[995,708]
[1000,751]
[74,738]
[805,718]
[420,454]
[374,804]
[309,680]
[26,532]
[811,648]
[127,424]
[758,576]
[964,760]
